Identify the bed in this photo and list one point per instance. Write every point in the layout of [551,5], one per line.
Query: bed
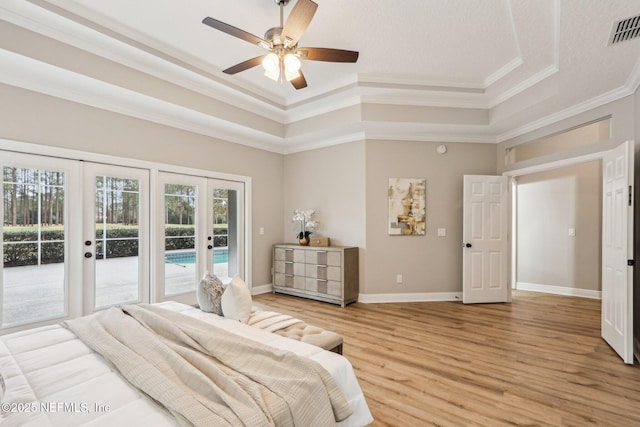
[54,378]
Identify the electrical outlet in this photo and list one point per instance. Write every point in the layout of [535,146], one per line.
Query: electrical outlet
[399,278]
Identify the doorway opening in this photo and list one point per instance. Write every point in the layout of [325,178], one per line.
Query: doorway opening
[556,217]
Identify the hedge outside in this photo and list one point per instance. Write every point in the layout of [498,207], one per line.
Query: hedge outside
[125,243]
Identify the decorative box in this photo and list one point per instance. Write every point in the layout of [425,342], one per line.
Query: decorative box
[319,241]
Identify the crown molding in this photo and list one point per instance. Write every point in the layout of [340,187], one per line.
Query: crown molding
[515,62]
[522,86]
[37,17]
[387,131]
[633,82]
[335,136]
[572,111]
[27,73]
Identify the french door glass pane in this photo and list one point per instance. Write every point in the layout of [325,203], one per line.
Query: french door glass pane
[117,213]
[225,236]
[33,243]
[179,239]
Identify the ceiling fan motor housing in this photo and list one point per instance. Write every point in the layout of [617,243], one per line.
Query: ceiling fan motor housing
[273,35]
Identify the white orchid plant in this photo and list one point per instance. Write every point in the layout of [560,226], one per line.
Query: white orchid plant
[307,223]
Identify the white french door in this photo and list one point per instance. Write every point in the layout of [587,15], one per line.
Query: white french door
[115,236]
[200,227]
[40,238]
[485,260]
[76,236]
[617,249]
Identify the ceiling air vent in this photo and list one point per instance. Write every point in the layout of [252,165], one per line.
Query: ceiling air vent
[626,29]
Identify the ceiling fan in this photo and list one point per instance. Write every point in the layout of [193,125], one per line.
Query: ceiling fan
[283,61]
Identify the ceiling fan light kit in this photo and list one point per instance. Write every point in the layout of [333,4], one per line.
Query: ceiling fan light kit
[283,61]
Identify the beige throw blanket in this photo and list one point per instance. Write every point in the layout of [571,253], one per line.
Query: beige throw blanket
[272,321]
[206,376]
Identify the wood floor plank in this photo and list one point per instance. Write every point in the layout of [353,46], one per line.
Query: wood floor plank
[537,361]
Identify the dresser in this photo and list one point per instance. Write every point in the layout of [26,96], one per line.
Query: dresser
[328,274]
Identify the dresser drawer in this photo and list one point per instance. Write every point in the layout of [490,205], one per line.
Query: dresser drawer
[323,286]
[283,254]
[281,279]
[286,267]
[322,272]
[323,257]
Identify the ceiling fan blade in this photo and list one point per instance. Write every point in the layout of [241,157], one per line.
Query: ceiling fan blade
[249,63]
[299,82]
[233,31]
[298,21]
[328,55]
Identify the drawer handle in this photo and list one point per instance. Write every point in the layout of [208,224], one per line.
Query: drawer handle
[288,262]
[321,252]
[288,249]
[322,265]
[288,275]
[322,280]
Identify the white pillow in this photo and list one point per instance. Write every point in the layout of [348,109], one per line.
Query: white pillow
[236,300]
[209,294]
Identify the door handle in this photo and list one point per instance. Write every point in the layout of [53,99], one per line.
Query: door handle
[88,254]
[467,245]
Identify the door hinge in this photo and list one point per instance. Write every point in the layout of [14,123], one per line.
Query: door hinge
[631,262]
[630,193]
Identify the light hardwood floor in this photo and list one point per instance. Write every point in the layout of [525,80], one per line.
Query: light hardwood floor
[537,361]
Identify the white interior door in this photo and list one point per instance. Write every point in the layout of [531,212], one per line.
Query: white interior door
[617,238]
[485,239]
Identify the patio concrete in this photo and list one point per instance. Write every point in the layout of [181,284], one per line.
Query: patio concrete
[33,293]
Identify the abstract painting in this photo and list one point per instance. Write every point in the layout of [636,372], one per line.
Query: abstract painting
[407,206]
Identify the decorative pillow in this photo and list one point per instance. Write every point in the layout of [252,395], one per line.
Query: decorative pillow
[209,294]
[236,300]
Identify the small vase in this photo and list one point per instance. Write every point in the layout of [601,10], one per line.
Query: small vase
[304,241]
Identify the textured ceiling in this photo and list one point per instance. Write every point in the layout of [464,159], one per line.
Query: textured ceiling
[521,61]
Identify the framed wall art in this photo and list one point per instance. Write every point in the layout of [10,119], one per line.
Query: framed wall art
[407,206]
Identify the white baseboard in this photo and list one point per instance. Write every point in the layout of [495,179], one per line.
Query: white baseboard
[382,298]
[410,297]
[262,289]
[559,290]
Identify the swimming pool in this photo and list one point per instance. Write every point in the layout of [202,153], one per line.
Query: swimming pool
[220,256]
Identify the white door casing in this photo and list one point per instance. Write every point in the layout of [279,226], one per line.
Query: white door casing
[485,239]
[617,249]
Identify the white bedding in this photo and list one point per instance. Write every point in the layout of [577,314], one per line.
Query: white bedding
[53,378]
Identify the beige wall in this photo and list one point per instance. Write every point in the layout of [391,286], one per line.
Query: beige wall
[29,117]
[428,263]
[623,127]
[332,181]
[548,205]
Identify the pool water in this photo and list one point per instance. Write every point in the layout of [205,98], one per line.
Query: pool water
[220,256]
